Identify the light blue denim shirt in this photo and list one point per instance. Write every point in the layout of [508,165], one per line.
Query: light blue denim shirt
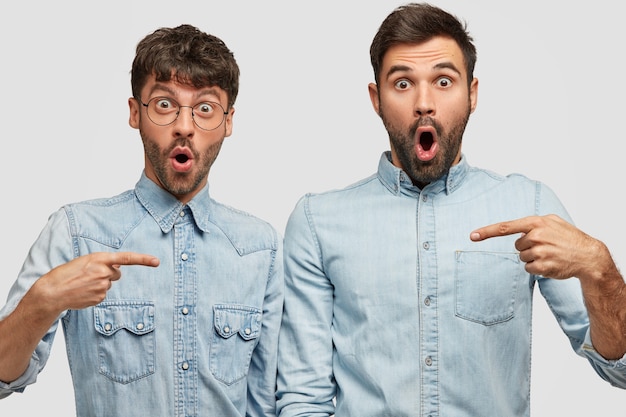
[390,308]
[196,336]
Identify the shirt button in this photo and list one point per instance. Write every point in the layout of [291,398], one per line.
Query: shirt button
[226,329]
[428,361]
[139,326]
[108,327]
[247,331]
[185,366]
[426,245]
[185,311]
[427,301]
[182,214]
[184,256]
[424,198]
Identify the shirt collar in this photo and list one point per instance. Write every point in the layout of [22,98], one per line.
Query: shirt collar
[166,209]
[398,182]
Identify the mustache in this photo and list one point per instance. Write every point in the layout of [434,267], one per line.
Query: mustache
[426,121]
[183,143]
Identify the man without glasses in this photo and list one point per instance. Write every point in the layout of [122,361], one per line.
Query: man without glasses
[397,301]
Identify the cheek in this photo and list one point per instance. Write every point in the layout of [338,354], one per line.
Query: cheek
[146,131]
[145,125]
[155,137]
[452,111]
[398,106]
[206,143]
[396,119]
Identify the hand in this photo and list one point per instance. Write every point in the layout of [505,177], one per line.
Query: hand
[550,246]
[84,281]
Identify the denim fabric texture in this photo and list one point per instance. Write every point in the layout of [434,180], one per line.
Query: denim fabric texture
[391,310]
[196,336]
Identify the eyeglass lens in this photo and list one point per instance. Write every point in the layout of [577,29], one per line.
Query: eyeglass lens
[207,115]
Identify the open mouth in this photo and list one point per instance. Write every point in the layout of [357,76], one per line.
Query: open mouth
[426,141]
[426,146]
[181,158]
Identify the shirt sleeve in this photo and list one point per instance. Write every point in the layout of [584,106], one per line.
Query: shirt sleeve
[565,300]
[52,248]
[262,373]
[305,367]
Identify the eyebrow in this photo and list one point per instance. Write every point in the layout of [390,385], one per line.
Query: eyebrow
[406,68]
[205,91]
[448,65]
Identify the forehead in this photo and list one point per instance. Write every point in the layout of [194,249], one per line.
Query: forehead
[436,52]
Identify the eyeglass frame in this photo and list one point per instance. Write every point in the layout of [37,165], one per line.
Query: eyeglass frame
[225,113]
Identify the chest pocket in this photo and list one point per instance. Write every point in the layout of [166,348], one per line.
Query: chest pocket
[126,342]
[486,285]
[236,332]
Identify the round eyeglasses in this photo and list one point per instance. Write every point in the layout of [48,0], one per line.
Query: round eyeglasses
[162,111]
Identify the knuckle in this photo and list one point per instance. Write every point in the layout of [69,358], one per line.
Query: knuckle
[503,228]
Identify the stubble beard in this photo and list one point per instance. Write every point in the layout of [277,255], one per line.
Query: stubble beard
[179,183]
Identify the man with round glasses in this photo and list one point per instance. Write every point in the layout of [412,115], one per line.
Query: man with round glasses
[192,327]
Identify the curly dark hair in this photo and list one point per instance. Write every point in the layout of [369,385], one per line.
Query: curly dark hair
[188,55]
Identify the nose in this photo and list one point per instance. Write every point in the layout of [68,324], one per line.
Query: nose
[424,101]
[184,124]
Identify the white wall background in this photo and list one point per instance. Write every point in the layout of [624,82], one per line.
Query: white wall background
[550,106]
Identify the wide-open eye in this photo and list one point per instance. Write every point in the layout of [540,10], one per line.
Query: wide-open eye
[444,82]
[206,109]
[164,105]
[402,84]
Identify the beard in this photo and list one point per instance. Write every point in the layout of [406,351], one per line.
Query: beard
[179,183]
[421,172]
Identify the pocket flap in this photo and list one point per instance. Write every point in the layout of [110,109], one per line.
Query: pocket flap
[136,317]
[230,319]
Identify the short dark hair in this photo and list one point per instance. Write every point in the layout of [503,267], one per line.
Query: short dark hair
[188,55]
[418,23]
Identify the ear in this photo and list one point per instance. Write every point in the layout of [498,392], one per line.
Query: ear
[228,123]
[473,94]
[374,97]
[134,107]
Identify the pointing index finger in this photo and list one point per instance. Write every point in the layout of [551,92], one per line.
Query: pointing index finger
[129,258]
[523,225]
